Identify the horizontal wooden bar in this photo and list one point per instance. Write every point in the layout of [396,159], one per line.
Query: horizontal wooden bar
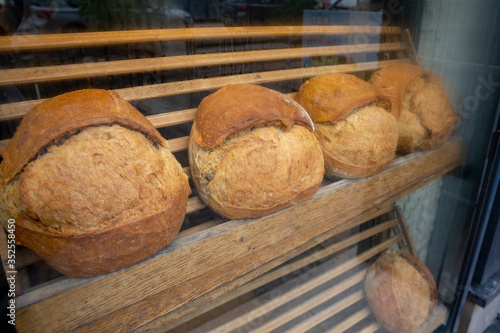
[350,321]
[328,312]
[108,38]
[373,327]
[108,68]
[17,110]
[178,144]
[194,204]
[172,118]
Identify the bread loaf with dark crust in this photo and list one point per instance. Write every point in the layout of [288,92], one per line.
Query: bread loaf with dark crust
[357,134]
[401,291]
[55,118]
[219,117]
[419,103]
[268,159]
[100,195]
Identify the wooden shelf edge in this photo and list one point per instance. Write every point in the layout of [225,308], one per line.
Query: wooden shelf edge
[19,43]
[172,278]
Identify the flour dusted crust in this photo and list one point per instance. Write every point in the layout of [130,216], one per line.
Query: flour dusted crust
[258,169]
[96,198]
[400,291]
[357,134]
[419,102]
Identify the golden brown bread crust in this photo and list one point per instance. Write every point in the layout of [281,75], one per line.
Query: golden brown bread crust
[393,82]
[361,145]
[419,102]
[99,199]
[331,97]
[258,170]
[109,249]
[63,114]
[115,174]
[400,291]
[239,106]
[357,134]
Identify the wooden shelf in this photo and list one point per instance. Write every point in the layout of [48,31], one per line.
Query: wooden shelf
[222,260]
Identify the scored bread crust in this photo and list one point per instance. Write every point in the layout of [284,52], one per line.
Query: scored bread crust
[331,97]
[401,291]
[96,170]
[361,145]
[62,115]
[271,159]
[419,103]
[357,134]
[236,107]
[258,172]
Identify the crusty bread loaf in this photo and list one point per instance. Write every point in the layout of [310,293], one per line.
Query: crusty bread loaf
[358,135]
[100,191]
[252,152]
[419,103]
[400,291]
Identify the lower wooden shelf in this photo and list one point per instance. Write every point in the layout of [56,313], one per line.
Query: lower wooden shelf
[220,260]
[321,290]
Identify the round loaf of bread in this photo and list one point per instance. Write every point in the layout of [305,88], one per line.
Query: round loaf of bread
[357,134]
[91,184]
[419,103]
[401,291]
[252,152]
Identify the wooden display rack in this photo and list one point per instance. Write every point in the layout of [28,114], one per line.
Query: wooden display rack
[220,263]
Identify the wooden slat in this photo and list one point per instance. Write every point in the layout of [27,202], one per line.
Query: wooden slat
[224,253]
[327,312]
[373,327]
[183,87]
[194,204]
[95,39]
[108,68]
[172,118]
[17,110]
[351,321]
[178,144]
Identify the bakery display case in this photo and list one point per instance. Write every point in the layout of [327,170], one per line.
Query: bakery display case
[196,166]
